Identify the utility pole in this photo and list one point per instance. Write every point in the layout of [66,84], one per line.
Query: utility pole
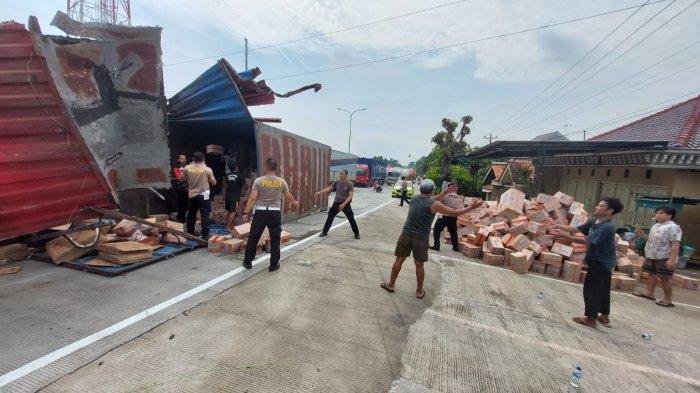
[246,54]
[491,137]
[584,134]
[351,115]
[566,127]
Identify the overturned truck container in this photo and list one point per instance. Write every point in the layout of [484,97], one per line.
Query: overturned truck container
[213,111]
[83,123]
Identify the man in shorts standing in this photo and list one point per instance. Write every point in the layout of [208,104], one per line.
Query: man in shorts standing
[661,253]
[344,190]
[416,231]
[266,199]
[234,184]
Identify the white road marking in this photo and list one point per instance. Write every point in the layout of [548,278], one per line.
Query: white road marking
[106,332]
[547,278]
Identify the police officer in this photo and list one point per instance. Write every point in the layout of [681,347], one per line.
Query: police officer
[266,199]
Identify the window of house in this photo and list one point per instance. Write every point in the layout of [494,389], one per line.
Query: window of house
[580,171]
[648,174]
[607,172]
[627,173]
[592,172]
[568,171]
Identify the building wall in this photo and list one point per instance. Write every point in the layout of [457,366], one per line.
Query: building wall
[627,183]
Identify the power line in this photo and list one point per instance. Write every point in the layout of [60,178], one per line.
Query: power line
[636,113]
[623,93]
[321,34]
[488,38]
[547,100]
[622,81]
[499,126]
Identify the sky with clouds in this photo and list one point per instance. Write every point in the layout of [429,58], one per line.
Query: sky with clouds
[406,98]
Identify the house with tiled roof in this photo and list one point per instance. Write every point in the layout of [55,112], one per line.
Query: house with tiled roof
[657,155]
[504,175]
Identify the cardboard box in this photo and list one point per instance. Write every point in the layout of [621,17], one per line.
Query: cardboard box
[231,246]
[241,231]
[470,250]
[539,267]
[571,271]
[577,220]
[554,271]
[13,252]
[510,204]
[682,281]
[506,254]
[494,259]
[577,257]
[561,249]
[582,276]
[214,244]
[551,205]
[471,238]
[545,240]
[481,236]
[494,245]
[625,266]
[564,199]
[579,248]
[622,246]
[519,242]
[559,213]
[550,258]
[285,237]
[535,247]
[518,229]
[535,228]
[538,216]
[544,198]
[507,239]
[576,208]
[520,262]
[626,283]
[214,149]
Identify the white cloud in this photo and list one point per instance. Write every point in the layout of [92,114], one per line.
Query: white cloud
[523,57]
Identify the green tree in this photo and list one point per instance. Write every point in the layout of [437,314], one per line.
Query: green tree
[451,144]
[380,160]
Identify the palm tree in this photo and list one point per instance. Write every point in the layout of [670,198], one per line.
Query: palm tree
[450,143]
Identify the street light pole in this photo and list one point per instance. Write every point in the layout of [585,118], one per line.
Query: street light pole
[351,114]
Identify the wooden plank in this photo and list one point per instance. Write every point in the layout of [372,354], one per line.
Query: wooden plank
[126,258]
[126,247]
[161,226]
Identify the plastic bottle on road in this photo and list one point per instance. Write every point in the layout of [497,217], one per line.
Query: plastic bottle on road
[576,376]
[647,336]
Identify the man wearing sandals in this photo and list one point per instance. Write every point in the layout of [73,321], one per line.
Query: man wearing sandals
[600,259]
[661,253]
[416,231]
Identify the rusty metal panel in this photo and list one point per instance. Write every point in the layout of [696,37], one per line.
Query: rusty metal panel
[304,164]
[48,174]
[111,82]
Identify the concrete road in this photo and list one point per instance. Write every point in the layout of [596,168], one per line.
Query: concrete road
[329,327]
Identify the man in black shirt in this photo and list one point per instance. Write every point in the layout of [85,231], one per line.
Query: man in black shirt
[234,184]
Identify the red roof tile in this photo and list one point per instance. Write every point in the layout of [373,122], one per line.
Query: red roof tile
[498,168]
[678,124]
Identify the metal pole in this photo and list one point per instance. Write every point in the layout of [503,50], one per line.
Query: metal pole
[351,114]
[246,54]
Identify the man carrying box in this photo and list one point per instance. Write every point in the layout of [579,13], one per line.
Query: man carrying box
[661,253]
[416,231]
[600,259]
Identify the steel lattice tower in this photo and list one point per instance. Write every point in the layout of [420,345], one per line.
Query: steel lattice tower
[117,12]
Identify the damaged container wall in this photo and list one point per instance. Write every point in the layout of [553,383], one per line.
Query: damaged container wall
[111,82]
[48,174]
[303,163]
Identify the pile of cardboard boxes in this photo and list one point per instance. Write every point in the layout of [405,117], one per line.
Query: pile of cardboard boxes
[515,232]
[238,240]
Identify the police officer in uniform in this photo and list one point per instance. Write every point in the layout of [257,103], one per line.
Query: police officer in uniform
[266,199]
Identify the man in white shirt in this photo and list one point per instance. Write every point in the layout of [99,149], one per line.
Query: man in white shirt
[661,253]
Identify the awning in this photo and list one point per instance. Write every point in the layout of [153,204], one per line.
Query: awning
[513,149]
